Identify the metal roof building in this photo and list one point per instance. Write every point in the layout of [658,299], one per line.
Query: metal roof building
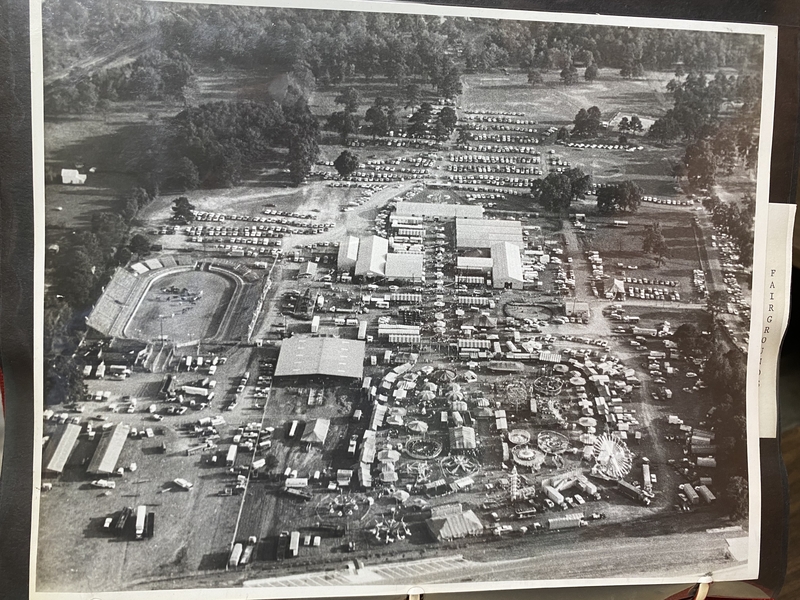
[60,447]
[576,309]
[303,355]
[308,269]
[474,263]
[443,211]
[348,253]
[316,431]
[408,267]
[483,233]
[372,253]
[506,266]
[108,450]
[462,438]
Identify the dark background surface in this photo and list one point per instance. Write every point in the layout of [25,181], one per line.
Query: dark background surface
[16,262]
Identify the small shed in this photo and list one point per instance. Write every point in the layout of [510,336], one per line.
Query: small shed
[72,177]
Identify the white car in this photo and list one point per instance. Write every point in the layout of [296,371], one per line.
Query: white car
[104,483]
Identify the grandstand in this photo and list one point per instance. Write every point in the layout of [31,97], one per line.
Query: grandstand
[168,261]
[120,292]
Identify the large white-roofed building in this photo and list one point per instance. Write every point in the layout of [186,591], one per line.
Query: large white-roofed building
[59,448]
[439,211]
[371,260]
[348,253]
[483,233]
[104,461]
[406,267]
[305,356]
[482,264]
[506,266]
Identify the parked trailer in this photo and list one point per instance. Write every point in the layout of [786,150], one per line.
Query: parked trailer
[122,520]
[705,494]
[646,482]
[362,330]
[141,517]
[150,525]
[280,547]
[566,521]
[246,554]
[236,554]
[231,458]
[294,544]
[293,429]
[195,449]
[689,492]
[554,495]
[633,492]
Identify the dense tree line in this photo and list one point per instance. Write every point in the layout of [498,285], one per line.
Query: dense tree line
[622,197]
[213,143]
[335,46]
[558,190]
[71,27]
[725,374]
[736,220]
[86,261]
[152,76]
[698,101]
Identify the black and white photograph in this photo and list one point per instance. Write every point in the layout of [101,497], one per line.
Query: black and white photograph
[340,298]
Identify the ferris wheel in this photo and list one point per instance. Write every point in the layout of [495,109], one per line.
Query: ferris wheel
[613,459]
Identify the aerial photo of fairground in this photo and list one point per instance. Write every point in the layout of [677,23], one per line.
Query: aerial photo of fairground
[341,298]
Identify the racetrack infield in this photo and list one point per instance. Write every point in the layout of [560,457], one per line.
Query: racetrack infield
[183,320]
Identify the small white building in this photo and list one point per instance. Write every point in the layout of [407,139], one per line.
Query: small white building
[72,177]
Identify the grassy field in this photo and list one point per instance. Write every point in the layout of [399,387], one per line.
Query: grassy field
[553,103]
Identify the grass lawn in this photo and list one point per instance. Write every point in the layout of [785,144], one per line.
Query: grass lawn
[554,103]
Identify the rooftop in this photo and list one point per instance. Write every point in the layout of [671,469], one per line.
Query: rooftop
[108,450]
[304,355]
[372,253]
[506,262]
[60,447]
[405,266]
[445,211]
[484,233]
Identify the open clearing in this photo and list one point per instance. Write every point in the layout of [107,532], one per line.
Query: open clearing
[553,103]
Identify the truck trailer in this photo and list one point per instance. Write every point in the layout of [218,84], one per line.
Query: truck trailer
[236,554]
[633,492]
[705,494]
[231,458]
[141,517]
[294,544]
[554,495]
[566,521]
[690,494]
